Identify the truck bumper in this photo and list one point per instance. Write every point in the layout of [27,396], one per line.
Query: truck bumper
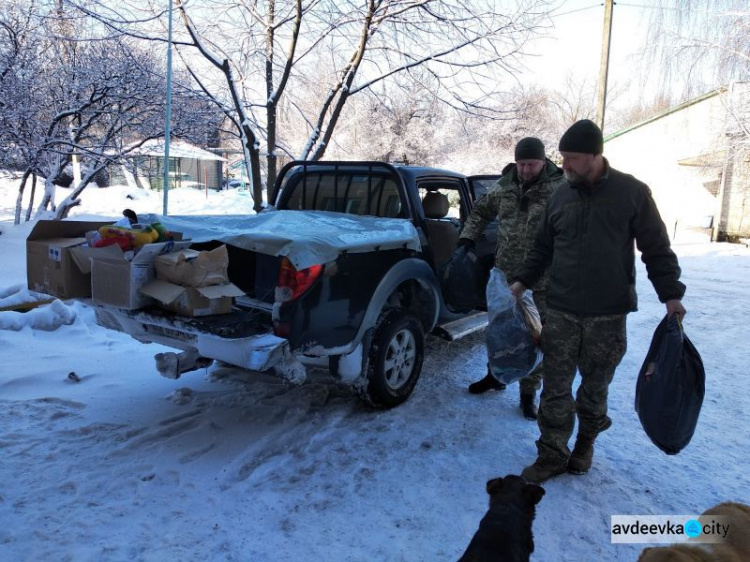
[259,351]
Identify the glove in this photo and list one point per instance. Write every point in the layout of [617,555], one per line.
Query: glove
[467,243]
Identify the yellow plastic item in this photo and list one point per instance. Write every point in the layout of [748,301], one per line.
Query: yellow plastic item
[140,235]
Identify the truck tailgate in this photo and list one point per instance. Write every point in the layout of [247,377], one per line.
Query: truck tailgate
[242,338]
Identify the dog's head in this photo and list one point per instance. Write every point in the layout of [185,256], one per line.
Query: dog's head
[514,487]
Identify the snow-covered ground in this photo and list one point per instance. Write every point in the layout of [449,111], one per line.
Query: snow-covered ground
[226,464]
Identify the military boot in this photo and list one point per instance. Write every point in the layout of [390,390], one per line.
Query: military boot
[528,405]
[582,455]
[542,471]
[487,383]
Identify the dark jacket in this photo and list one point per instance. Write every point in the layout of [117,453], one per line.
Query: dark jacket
[586,236]
[518,208]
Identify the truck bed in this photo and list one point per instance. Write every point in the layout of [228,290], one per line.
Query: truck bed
[239,323]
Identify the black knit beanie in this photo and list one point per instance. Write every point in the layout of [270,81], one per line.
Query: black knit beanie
[582,136]
[530,148]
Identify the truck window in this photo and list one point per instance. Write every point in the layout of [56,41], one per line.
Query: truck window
[441,204]
[451,191]
[482,184]
[344,192]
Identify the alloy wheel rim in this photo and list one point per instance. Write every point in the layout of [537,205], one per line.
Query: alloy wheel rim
[400,359]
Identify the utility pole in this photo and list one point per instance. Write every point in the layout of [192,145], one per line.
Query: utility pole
[168,119]
[601,101]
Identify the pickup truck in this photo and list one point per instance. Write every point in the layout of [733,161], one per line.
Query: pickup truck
[343,271]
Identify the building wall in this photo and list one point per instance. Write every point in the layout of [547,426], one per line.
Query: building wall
[736,223]
[687,150]
[150,171]
[207,172]
[653,151]
[735,220]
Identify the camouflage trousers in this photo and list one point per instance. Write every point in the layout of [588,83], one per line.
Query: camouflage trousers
[593,346]
[531,382]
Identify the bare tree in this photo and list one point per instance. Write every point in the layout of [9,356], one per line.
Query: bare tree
[394,122]
[700,44]
[19,51]
[640,111]
[573,100]
[259,58]
[77,96]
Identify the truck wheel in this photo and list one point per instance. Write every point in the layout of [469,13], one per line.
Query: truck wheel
[395,361]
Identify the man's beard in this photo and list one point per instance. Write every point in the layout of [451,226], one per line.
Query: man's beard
[574,177]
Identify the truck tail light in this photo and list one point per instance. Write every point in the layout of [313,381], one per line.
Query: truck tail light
[292,283]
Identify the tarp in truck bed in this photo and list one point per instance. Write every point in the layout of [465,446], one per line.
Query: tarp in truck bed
[306,238]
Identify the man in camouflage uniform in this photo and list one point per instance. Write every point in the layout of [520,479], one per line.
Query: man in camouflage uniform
[586,240]
[517,202]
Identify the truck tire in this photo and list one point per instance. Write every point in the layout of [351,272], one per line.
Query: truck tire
[395,360]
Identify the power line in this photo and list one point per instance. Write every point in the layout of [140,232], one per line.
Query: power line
[577,10]
[662,8]
[651,7]
[628,5]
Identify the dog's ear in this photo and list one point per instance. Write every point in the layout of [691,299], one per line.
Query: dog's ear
[494,485]
[533,493]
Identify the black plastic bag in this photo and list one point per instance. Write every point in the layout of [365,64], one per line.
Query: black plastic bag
[462,281]
[670,388]
[512,332]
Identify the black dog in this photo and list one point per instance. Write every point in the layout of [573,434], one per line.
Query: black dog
[504,534]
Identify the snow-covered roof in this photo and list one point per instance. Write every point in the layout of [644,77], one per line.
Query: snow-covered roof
[177,149]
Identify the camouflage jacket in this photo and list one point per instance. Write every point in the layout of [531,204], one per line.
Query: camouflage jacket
[518,210]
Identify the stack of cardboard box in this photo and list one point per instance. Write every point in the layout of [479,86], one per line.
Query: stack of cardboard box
[60,263]
[52,266]
[193,283]
[118,280]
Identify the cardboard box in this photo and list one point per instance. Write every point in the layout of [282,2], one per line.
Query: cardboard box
[191,268]
[115,281]
[50,264]
[193,301]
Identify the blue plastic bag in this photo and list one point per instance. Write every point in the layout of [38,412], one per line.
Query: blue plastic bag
[513,332]
[670,388]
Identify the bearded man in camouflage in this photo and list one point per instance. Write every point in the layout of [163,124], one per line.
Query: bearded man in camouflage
[517,202]
[586,239]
